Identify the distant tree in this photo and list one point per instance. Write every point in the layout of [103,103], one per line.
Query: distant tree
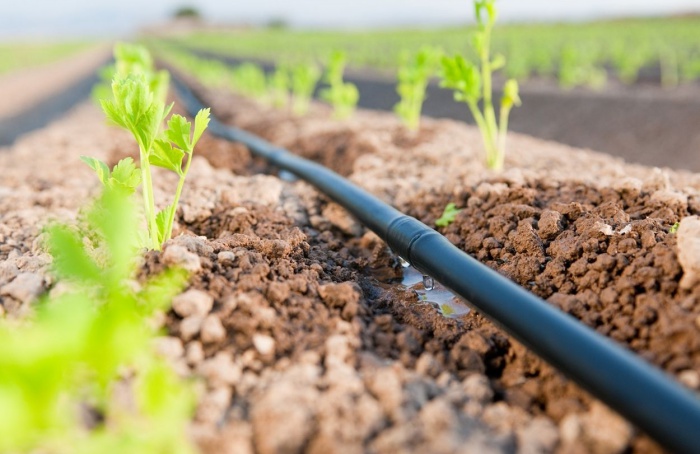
[187,11]
[277,23]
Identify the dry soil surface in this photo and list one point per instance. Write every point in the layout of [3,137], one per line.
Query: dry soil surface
[22,88]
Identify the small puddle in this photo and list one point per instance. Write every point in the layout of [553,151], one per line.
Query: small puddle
[429,291]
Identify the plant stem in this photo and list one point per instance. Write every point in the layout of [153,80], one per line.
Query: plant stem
[148,200]
[505,112]
[176,200]
[481,124]
[489,113]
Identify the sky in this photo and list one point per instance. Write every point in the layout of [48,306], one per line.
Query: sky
[46,18]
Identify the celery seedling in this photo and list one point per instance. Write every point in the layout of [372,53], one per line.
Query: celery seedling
[413,77]
[342,96]
[138,105]
[448,215]
[304,80]
[278,86]
[472,84]
[77,346]
[248,79]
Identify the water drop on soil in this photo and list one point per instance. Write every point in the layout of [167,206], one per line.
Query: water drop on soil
[428,282]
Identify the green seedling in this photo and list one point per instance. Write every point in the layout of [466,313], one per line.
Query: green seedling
[78,346]
[413,77]
[342,96]
[279,86]
[448,215]
[577,68]
[668,60]
[472,85]
[304,80]
[138,105]
[674,228]
[249,79]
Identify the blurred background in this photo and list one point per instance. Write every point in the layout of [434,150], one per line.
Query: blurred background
[618,76]
[77,18]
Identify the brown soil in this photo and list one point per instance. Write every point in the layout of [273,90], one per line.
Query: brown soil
[301,348]
[21,89]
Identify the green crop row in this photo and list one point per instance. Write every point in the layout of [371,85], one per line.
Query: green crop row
[470,82]
[24,55]
[573,54]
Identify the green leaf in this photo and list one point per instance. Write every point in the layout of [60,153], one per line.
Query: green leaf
[463,77]
[159,290]
[164,155]
[162,220]
[178,132]
[498,62]
[510,94]
[70,259]
[100,168]
[125,175]
[448,215]
[201,122]
[134,108]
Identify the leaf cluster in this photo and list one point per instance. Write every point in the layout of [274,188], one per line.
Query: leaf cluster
[472,84]
[448,215]
[304,79]
[138,105]
[413,76]
[342,96]
[74,352]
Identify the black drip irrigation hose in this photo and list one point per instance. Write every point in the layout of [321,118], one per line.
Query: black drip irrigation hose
[649,398]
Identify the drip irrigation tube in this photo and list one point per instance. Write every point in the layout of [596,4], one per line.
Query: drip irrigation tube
[645,395]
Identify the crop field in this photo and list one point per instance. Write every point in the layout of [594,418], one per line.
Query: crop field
[265,241]
[665,51]
[19,55]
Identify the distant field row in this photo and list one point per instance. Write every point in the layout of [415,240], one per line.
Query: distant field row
[663,51]
[24,55]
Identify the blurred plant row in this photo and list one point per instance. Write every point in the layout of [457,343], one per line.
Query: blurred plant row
[292,85]
[582,54]
[23,55]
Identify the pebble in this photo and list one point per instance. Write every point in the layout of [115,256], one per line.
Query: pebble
[25,287]
[212,329]
[169,347]
[220,370]
[688,244]
[193,302]
[608,432]
[478,388]
[265,345]
[190,326]
[539,435]
[194,353]
[212,408]
[226,258]
[341,219]
[8,270]
[179,256]
[690,378]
